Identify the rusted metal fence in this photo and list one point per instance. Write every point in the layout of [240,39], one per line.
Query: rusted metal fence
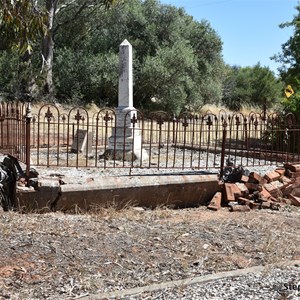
[15,131]
[189,141]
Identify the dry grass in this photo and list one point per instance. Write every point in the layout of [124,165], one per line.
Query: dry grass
[61,256]
[246,109]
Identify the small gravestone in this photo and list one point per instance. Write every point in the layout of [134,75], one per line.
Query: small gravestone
[82,142]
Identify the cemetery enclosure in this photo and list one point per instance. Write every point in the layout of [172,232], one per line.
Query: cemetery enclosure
[79,138]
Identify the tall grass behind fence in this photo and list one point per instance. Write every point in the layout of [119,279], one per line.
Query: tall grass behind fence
[187,141]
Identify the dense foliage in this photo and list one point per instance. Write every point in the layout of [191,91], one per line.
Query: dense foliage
[252,86]
[290,60]
[20,24]
[178,62]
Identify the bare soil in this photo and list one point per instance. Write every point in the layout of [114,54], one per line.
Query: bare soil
[68,256]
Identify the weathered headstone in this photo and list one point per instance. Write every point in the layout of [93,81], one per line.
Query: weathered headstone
[126,140]
[82,142]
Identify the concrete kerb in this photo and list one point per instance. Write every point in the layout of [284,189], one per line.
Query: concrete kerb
[147,191]
[186,281]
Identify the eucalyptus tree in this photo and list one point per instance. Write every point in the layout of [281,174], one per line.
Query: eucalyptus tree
[21,24]
[73,11]
[24,22]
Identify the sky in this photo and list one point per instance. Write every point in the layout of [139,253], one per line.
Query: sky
[249,29]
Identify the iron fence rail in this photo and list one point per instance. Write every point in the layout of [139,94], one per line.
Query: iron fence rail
[51,137]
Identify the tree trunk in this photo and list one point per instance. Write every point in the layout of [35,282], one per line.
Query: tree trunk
[48,48]
[26,79]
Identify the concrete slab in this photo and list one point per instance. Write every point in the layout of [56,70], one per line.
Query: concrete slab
[148,191]
[42,199]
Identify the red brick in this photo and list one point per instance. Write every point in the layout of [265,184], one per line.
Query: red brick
[239,208]
[280,171]
[244,179]
[232,192]
[287,190]
[270,187]
[292,189]
[255,178]
[251,186]
[292,174]
[242,187]
[293,167]
[285,180]
[295,200]
[264,195]
[274,188]
[296,191]
[229,195]
[215,203]
[272,176]
[278,184]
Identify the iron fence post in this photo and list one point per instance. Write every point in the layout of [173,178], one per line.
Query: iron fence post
[223,149]
[28,118]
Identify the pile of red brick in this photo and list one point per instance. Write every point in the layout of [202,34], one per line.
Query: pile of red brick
[271,191]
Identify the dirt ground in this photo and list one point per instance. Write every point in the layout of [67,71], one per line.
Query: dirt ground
[68,256]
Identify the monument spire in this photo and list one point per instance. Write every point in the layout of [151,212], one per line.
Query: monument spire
[125,75]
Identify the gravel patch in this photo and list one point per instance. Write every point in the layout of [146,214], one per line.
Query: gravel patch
[269,282]
[80,173]
[276,283]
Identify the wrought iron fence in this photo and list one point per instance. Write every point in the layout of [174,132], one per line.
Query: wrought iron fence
[15,131]
[188,141]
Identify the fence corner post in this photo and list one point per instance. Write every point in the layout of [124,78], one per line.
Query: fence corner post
[28,118]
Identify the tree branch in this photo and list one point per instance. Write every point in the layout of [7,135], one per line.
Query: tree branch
[85,5]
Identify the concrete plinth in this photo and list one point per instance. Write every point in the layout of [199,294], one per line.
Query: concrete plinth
[42,199]
[148,191]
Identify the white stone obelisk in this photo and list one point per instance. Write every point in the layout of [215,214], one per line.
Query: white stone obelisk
[125,141]
[125,76]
